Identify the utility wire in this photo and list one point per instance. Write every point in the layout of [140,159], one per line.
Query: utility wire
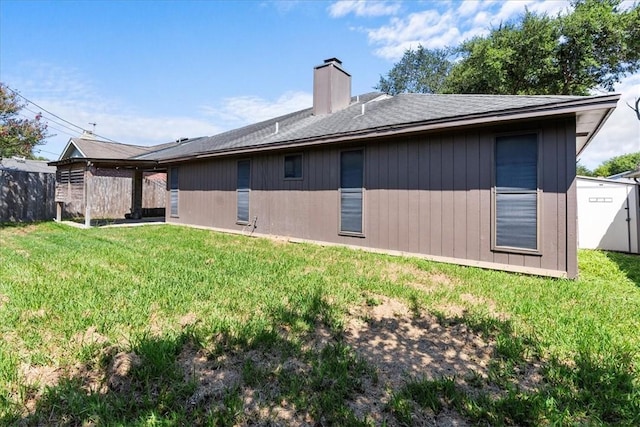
[55,115]
[43,109]
[51,120]
[52,127]
[39,150]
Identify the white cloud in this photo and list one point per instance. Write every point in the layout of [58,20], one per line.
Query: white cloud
[72,96]
[468,7]
[551,8]
[437,26]
[428,28]
[125,127]
[363,8]
[621,133]
[244,110]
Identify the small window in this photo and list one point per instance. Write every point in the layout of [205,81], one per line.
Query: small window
[351,191]
[243,187]
[516,192]
[173,191]
[293,166]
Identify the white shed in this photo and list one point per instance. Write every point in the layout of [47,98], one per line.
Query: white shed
[608,214]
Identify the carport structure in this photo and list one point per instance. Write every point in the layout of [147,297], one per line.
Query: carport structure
[97,179]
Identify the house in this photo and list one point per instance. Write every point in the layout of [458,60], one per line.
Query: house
[26,190]
[476,180]
[94,180]
[608,214]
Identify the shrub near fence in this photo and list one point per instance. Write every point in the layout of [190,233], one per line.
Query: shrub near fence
[26,196]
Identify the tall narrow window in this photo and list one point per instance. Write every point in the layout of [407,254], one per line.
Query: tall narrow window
[243,187]
[173,190]
[516,192]
[351,190]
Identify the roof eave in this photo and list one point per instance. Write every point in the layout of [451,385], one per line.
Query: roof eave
[581,147]
[124,163]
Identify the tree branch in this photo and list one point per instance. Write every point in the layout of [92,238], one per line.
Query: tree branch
[636,108]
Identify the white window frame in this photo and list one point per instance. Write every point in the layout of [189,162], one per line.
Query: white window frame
[243,192]
[495,192]
[174,191]
[360,190]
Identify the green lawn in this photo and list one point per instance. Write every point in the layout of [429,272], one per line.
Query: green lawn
[75,304]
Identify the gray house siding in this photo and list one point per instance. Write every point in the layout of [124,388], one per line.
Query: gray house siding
[428,194]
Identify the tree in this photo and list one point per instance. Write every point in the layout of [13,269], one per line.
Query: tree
[419,71]
[618,164]
[593,46]
[597,45]
[514,59]
[636,109]
[583,170]
[18,136]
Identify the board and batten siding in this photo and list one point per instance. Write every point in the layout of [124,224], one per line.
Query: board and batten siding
[427,194]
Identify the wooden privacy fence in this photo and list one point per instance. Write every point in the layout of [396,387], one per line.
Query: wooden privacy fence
[26,196]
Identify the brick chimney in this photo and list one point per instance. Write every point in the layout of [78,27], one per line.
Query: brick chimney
[331,87]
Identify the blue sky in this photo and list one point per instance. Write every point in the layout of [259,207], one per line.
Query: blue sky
[150,72]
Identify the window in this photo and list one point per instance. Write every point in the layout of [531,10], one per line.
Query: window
[243,187]
[351,191]
[516,192]
[293,166]
[173,191]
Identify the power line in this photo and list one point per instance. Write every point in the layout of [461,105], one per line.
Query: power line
[39,150]
[43,109]
[55,115]
[51,126]
[50,119]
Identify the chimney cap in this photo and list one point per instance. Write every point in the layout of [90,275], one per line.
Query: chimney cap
[332,62]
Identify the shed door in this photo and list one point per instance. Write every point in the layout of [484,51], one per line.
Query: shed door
[607,218]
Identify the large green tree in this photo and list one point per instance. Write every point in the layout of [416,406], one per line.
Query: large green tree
[18,135]
[594,45]
[618,164]
[419,71]
[598,45]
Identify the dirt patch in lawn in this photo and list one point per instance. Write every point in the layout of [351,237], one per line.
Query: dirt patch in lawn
[397,343]
[425,281]
[217,376]
[402,345]
[472,302]
[89,337]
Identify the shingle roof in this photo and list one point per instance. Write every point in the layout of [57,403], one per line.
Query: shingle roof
[25,165]
[96,149]
[380,112]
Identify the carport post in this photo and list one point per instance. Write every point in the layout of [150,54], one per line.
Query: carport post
[136,194]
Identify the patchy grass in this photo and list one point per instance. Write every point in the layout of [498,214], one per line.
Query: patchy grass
[171,325]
